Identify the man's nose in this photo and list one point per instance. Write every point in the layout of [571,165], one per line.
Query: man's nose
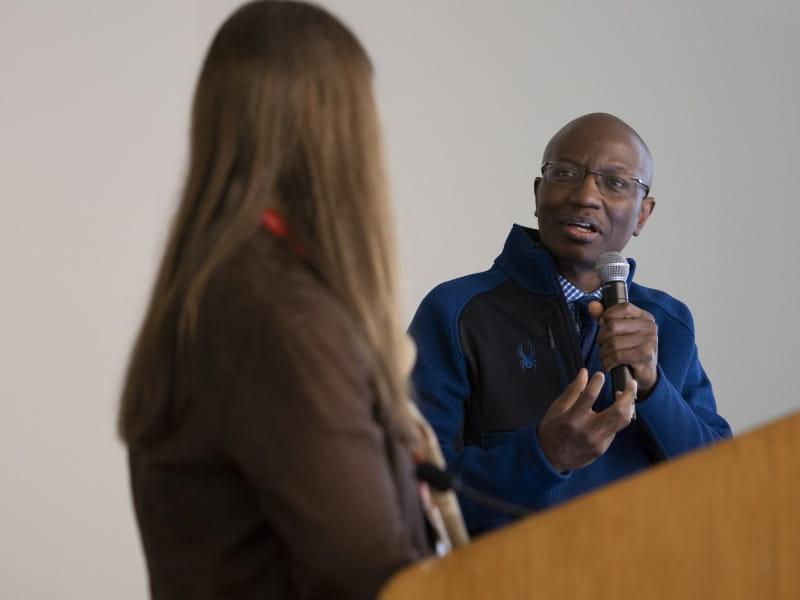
[588,193]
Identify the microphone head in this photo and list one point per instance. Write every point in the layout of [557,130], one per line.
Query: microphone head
[612,266]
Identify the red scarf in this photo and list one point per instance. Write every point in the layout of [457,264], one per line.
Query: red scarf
[274,222]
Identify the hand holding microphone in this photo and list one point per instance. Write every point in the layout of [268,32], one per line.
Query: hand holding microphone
[628,336]
[571,434]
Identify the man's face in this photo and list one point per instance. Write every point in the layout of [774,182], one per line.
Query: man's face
[578,224]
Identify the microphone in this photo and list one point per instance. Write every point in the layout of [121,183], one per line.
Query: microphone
[443,481]
[613,271]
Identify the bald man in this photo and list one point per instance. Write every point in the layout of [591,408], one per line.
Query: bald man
[512,361]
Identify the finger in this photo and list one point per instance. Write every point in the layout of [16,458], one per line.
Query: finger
[639,356]
[648,343]
[588,396]
[626,310]
[614,327]
[568,397]
[619,414]
[595,310]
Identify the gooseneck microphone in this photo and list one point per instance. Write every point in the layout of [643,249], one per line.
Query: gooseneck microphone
[613,270]
[443,481]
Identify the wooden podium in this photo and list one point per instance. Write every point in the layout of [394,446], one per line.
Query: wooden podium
[723,522]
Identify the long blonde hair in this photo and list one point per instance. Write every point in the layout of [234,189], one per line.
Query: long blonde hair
[283,117]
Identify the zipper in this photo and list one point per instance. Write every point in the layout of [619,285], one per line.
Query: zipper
[559,360]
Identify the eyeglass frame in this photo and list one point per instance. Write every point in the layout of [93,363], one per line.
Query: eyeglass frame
[590,172]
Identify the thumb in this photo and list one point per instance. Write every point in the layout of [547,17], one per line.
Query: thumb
[595,310]
[625,402]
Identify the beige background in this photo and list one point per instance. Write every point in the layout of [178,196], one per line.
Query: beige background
[93,118]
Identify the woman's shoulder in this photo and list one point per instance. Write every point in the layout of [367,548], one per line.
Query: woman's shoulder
[265,287]
[269,328]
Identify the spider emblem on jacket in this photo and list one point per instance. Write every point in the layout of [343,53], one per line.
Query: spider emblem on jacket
[527,355]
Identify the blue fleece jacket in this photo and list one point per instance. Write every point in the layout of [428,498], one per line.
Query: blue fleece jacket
[485,404]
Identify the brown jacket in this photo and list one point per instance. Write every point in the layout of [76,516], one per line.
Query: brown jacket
[279,481]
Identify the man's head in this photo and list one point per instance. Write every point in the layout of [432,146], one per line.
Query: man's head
[581,217]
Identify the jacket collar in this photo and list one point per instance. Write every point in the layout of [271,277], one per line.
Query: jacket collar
[527,261]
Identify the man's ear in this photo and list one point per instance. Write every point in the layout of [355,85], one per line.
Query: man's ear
[536,183]
[647,208]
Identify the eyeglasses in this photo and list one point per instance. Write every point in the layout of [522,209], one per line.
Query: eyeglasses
[613,184]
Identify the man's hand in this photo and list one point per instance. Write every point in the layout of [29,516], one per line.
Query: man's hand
[571,434]
[628,335]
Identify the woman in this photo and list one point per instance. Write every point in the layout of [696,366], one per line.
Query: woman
[265,404]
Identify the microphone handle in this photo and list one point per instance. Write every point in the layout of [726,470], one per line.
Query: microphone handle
[620,376]
[616,292]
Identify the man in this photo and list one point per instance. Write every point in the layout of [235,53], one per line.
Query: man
[505,355]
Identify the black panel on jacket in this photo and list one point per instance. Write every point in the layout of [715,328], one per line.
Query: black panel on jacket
[514,342]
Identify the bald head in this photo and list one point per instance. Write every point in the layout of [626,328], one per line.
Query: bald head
[598,128]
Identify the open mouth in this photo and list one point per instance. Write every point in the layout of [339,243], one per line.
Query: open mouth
[581,229]
[583,226]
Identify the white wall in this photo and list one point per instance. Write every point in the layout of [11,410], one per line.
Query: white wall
[93,118]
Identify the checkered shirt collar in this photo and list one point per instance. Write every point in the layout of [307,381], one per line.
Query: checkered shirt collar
[571,293]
